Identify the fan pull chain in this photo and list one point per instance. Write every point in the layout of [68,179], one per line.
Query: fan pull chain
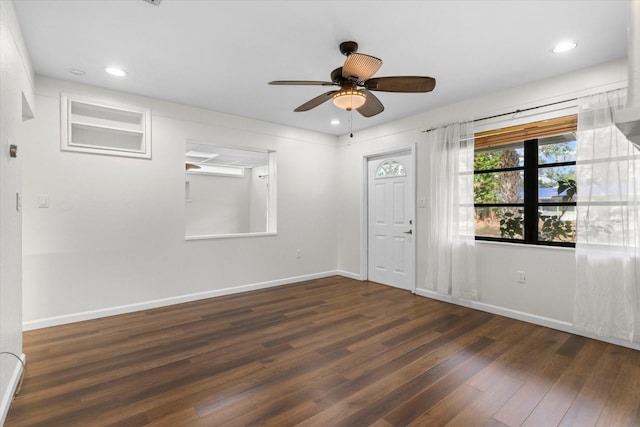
[351,123]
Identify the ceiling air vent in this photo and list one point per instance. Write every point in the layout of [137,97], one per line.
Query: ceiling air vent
[153,2]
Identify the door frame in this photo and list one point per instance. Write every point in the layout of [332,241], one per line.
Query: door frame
[364,208]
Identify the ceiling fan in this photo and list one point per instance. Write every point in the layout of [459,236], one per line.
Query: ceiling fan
[356,83]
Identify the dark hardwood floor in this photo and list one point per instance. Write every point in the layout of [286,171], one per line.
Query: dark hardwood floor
[329,352]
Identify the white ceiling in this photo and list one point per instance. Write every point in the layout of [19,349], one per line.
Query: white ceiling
[221,54]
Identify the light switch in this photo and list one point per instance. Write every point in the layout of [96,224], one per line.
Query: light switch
[422,203]
[43,200]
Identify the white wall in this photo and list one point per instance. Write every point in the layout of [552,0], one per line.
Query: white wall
[550,272]
[16,89]
[218,204]
[114,232]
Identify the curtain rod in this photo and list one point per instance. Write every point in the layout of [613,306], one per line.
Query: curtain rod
[510,113]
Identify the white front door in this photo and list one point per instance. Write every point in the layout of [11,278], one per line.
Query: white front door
[391,228]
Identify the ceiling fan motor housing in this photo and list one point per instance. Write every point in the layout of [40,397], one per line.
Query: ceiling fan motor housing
[356,82]
[347,48]
[336,75]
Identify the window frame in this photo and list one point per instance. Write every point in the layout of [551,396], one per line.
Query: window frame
[530,204]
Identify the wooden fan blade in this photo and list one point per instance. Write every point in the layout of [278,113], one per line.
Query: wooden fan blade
[360,66]
[300,83]
[189,166]
[316,101]
[401,84]
[372,105]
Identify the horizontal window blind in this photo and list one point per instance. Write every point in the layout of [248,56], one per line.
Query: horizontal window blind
[541,129]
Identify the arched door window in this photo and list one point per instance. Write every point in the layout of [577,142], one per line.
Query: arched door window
[390,169]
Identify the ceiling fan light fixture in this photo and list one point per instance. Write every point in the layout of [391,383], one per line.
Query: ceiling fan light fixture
[360,67]
[356,88]
[349,99]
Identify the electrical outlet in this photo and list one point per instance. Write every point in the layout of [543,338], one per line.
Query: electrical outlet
[299,253]
[521,276]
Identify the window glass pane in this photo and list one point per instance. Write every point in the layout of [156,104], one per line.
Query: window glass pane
[557,184]
[557,149]
[498,187]
[502,222]
[499,158]
[390,168]
[499,171]
[557,223]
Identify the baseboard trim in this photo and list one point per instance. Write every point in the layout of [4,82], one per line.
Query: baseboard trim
[523,316]
[349,274]
[129,308]
[7,395]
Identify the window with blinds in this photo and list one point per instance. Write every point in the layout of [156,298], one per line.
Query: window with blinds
[525,183]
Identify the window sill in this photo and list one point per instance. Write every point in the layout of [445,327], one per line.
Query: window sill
[524,245]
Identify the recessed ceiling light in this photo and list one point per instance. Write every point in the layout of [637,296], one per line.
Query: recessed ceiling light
[335,122]
[77,72]
[115,71]
[565,46]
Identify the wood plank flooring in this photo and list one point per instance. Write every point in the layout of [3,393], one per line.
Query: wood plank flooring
[329,352]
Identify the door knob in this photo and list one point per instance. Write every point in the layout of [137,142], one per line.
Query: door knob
[408,232]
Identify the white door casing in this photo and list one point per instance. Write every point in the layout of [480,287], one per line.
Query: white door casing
[390,222]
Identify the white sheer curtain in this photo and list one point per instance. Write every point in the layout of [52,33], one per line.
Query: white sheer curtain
[607,301]
[450,236]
